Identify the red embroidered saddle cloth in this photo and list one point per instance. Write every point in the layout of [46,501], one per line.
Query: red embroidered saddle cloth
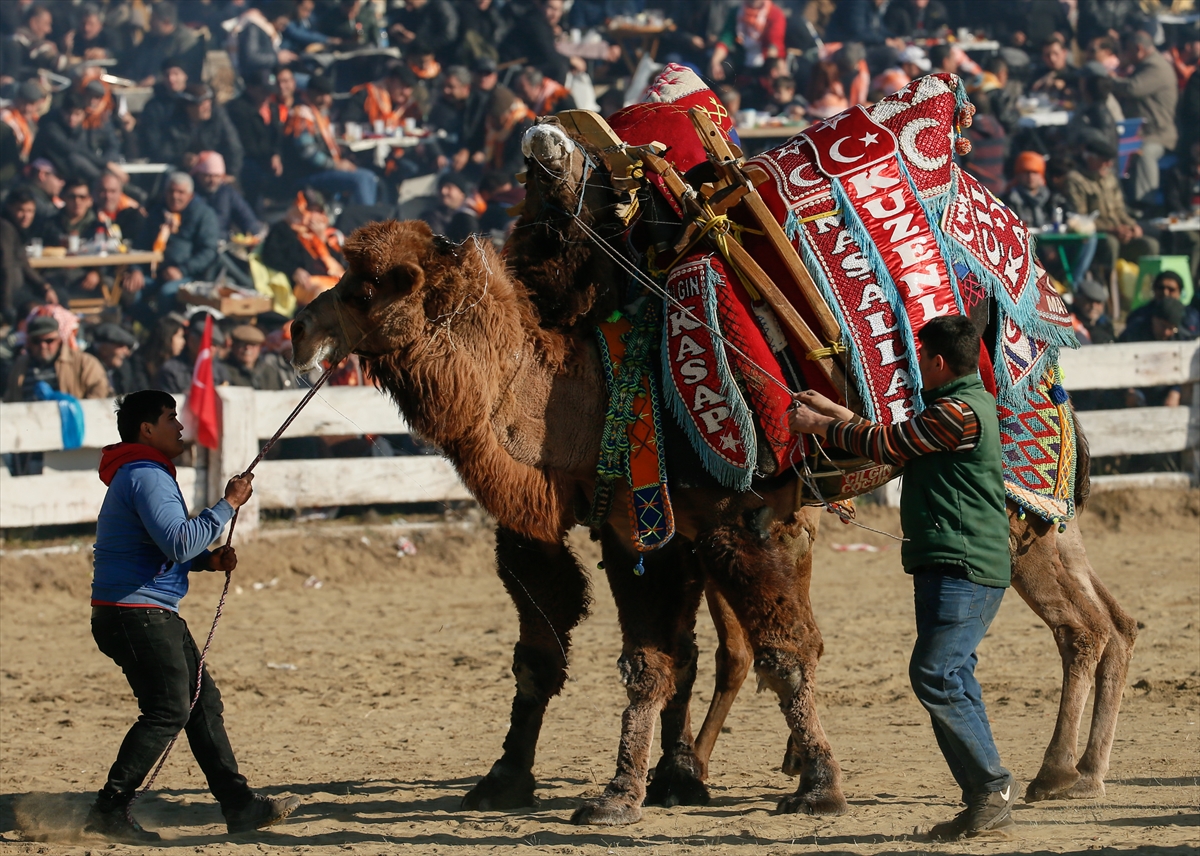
[893,233]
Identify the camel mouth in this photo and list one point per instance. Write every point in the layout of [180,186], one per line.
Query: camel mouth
[312,349]
[323,354]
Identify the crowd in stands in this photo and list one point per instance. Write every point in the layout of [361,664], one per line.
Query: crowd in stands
[283,124]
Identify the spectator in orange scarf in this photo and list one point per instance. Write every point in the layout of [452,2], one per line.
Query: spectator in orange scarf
[305,247]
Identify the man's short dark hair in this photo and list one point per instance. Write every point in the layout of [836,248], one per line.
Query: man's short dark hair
[995,64]
[937,56]
[1137,38]
[954,339]
[133,409]
[34,11]
[1163,276]
[19,197]
[532,75]
[77,181]
[165,11]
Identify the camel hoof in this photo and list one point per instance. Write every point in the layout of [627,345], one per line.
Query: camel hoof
[676,782]
[822,804]
[498,791]
[1051,785]
[1086,789]
[606,811]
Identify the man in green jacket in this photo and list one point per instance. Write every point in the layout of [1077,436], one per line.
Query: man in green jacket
[952,509]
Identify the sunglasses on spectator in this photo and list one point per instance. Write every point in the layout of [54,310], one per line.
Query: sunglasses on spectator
[44,340]
[79,196]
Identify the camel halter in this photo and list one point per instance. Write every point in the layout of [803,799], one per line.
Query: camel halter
[225,591]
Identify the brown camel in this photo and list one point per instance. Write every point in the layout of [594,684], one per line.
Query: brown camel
[1051,572]
[455,340]
[479,364]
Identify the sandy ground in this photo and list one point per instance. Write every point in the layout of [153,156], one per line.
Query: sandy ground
[381,696]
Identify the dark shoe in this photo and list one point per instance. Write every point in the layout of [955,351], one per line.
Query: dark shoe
[989,812]
[260,812]
[115,823]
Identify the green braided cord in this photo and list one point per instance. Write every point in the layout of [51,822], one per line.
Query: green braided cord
[624,385]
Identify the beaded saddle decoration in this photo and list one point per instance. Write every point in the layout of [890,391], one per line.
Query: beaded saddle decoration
[631,447]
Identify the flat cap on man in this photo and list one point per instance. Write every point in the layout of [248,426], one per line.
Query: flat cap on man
[1088,286]
[31,90]
[41,325]
[114,334]
[248,334]
[1167,309]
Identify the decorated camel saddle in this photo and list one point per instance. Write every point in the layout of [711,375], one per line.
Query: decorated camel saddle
[814,265]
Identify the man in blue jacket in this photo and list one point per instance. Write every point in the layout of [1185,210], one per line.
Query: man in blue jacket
[184,229]
[145,548]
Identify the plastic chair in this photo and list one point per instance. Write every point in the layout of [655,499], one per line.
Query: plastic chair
[1151,266]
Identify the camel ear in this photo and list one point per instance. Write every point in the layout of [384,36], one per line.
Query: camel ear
[406,278]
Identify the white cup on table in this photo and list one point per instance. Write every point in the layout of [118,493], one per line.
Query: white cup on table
[35,248]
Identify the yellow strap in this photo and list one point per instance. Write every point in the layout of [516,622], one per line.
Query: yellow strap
[821,353]
[812,217]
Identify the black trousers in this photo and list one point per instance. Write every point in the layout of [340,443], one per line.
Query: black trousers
[156,651]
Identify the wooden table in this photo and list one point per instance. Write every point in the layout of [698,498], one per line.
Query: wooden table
[1189,224]
[637,40]
[145,168]
[1045,119]
[1060,240]
[117,261]
[137,257]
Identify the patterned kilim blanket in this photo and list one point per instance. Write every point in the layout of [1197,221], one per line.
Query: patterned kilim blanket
[894,234]
[631,448]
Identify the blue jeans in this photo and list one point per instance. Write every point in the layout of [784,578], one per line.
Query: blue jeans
[360,187]
[953,614]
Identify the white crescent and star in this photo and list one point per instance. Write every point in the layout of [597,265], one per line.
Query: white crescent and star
[867,139]
[835,153]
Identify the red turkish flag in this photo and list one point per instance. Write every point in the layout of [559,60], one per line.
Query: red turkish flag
[849,142]
[202,397]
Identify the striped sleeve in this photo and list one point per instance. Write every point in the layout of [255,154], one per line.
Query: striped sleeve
[947,425]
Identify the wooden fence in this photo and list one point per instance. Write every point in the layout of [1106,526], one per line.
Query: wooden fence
[70,492]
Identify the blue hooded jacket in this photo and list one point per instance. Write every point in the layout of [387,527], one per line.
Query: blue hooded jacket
[145,543]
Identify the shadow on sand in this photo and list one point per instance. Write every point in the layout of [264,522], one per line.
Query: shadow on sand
[58,818]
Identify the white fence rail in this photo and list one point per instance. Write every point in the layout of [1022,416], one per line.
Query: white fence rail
[70,492]
[1139,430]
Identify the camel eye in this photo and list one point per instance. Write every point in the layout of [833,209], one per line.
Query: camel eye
[365,295]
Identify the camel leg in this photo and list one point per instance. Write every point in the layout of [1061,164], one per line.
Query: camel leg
[766,583]
[1110,673]
[549,588]
[734,659]
[678,778]
[1051,574]
[657,612]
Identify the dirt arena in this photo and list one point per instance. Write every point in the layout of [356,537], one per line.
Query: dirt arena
[382,695]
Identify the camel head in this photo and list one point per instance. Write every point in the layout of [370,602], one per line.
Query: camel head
[401,281]
[567,212]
